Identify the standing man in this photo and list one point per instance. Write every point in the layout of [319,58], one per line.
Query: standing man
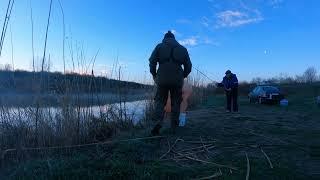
[230,84]
[170,56]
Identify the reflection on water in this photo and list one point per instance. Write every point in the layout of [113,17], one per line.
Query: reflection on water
[132,110]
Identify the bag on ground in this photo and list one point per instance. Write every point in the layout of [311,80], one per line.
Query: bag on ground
[284,102]
[182,119]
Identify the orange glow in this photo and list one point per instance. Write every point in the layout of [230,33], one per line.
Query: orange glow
[186,93]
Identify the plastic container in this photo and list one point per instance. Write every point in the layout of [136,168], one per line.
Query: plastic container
[284,102]
[182,119]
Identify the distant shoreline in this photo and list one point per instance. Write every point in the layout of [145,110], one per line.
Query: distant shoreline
[56,100]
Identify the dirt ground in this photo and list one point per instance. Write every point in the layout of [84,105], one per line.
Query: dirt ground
[280,143]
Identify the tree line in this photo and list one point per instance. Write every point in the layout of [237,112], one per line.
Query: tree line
[310,75]
[20,81]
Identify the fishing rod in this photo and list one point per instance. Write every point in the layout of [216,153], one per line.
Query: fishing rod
[202,73]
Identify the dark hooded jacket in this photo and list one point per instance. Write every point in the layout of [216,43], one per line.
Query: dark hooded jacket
[231,82]
[170,56]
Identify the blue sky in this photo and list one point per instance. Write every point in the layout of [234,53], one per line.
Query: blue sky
[253,38]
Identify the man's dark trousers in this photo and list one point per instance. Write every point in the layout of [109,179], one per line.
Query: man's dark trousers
[161,100]
[232,97]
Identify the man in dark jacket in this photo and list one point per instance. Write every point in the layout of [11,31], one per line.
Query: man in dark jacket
[170,56]
[230,84]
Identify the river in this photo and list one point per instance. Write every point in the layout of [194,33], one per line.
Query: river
[133,110]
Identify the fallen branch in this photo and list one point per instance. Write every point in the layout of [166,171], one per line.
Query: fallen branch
[248,145]
[79,145]
[203,145]
[265,154]
[170,148]
[278,139]
[195,148]
[196,152]
[269,138]
[178,162]
[207,162]
[177,159]
[184,155]
[248,167]
[199,142]
[217,174]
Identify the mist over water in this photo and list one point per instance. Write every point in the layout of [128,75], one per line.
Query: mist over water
[132,110]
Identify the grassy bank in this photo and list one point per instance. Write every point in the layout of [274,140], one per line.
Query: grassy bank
[288,136]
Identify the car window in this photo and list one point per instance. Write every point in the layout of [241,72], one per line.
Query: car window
[270,88]
[257,90]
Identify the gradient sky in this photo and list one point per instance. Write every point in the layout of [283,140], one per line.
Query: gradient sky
[253,38]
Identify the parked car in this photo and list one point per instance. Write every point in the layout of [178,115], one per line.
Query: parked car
[265,94]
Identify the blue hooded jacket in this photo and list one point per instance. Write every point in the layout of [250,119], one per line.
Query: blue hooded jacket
[231,82]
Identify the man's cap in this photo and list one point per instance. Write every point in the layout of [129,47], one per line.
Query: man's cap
[228,72]
[169,34]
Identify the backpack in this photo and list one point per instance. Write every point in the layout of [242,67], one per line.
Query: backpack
[170,72]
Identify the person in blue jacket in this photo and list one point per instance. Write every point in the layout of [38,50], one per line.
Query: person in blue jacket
[230,84]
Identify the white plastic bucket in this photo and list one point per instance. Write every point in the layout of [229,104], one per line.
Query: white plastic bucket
[284,102]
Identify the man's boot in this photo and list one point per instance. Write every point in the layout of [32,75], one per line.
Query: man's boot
[156,130]
[174,125]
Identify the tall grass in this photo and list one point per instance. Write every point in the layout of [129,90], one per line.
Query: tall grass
[69,122]
[200,91]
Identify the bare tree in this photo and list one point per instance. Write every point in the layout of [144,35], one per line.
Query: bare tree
[310,75]
[8,67]
[257,80]
[299,79]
